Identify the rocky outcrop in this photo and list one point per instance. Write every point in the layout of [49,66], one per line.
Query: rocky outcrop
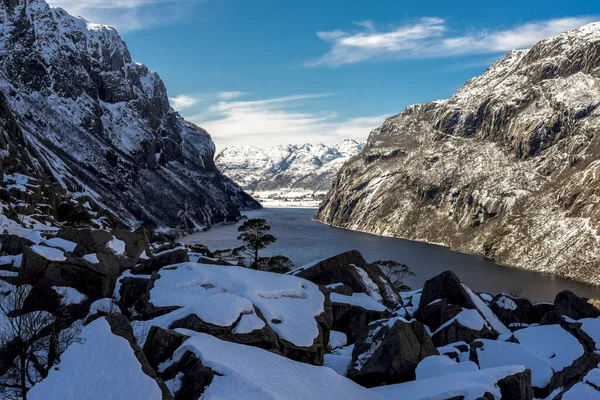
[389,351]
[351,319]
[570,305]
[507,167]
[100,125]
[352,270]
[512,310]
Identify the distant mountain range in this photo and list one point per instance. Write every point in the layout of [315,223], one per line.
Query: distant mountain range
[303,170]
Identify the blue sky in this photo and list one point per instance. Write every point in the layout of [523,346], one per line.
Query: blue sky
[273,72]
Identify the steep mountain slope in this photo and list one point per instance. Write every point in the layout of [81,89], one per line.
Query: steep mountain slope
[307,168]
[508,167]
[101,125]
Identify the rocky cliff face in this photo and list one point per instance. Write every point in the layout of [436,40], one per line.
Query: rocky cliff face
[306,168]
[101,125]
[508,167]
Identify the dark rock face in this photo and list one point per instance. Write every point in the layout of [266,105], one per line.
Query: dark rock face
[95,280]
[506,167]
[264,338]
[196,376]
[569,304]
[458,332]
[351,319]
[512,309]
[539,310]
[14,245]
[163,259]
[161,344]
[84,106]
[517,387]
[436,314]
[446,286]
[389,351]
[344,268]
[131,290]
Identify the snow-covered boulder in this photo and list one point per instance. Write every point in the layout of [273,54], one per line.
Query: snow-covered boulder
[466,326]
[447,286]
[279,312]
[351,269]
[570,305]
[492,353]
[51,267]
[511,309]
[233,371]
[388,351]
[512,383]
[105,364]
[566,354]
[162,259]
[434,366]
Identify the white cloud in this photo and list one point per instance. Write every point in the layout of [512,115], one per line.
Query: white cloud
[280,120]
[183,101]
[230,95]
[127,15]
[431,37]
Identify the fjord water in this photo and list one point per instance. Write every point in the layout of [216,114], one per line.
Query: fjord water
[304,240]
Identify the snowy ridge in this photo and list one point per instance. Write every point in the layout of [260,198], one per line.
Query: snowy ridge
[508,167]
[101,125]
[286,170]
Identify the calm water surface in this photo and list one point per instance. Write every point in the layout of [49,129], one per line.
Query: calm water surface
[304,240]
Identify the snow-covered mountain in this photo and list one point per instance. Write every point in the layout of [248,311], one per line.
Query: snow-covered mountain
[100,125]
[309,168]
[508,167]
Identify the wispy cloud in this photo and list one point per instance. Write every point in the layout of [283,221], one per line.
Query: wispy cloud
[230,95]
[431,37]
[128,15]
[183,101]
[280,120]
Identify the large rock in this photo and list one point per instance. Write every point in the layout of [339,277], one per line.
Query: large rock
[160,345]
[351,269]
[539,310]
[94,279]
[446,286]
[437,313]
[14,245]
[130,291]
[163,259]
[89,241]
[193,377]
[388,352]
[351,319]
[281,313]
[466,326]
[512,310]
[569,304]
[517,386]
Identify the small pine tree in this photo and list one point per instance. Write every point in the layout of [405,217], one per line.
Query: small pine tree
[254,233]
[396,272]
